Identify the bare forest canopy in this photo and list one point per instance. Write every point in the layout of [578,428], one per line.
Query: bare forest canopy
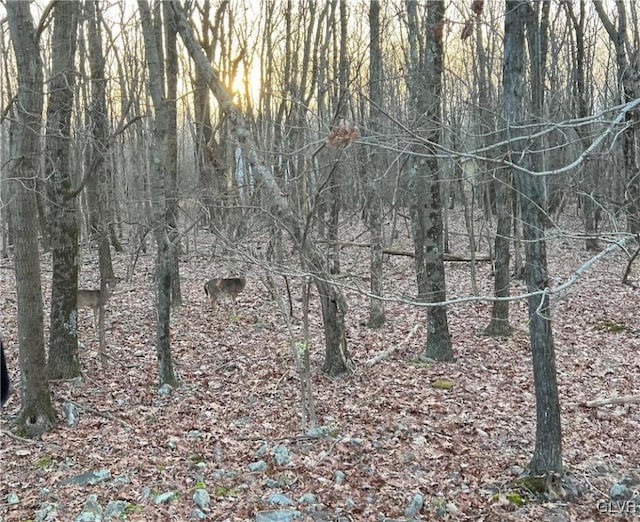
[281,61]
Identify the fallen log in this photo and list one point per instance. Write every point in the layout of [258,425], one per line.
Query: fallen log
[408,253]
[625,399]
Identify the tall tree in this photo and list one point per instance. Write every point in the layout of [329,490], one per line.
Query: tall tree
[425,84]
[37,414]
[499,325]
[171,154]
[63,213]
[547,455]
[373,173]
[97,159]
[158,199]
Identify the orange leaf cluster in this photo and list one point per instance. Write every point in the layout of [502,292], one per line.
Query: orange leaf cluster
[342,134]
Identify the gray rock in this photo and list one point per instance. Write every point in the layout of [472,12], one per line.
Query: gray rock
[12,498]
[198,514]
[281,455]
[308,498]
[277,499]
[70,413]
[89,478]
[415,506]
[339,477]
[116,509]
[262,451]
[287,515]
[163,498]
[165,390]
[620,492]
[202,498]
[46,512]
[92,510]
[318,431]
[261,465]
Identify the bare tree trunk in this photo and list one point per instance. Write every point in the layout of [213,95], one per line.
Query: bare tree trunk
[337,358]
[158,201]
[37,414]
[97,157]
[373,173]
[96,160]
[582,102]
[547,455]
[499,325]
[172,152]
[63,332]
[206,160]
[426,87]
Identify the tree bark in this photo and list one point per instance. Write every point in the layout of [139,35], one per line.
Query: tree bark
[171,153]
[158,201]
[547,455]
[426,86]
[37,414]
[512,71]
[97,155]
[373,174]
[63,213]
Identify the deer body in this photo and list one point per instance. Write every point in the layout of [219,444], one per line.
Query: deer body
[228,286]
[94,299]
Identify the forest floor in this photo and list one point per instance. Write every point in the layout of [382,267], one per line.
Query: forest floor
[388,433]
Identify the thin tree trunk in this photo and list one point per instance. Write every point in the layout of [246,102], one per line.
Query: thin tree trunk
[172,152]
[628,86]
[373,173]
[158,202]
[426,85]
[547,455]
[97,156]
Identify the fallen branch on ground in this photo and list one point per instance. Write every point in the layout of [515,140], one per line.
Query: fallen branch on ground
[627,399]
[386,353]
[408,253]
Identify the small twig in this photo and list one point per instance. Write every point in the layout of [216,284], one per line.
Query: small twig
[101,414]
[222,366]
[37,442]
[328,452]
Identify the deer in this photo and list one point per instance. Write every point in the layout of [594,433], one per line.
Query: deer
[95,298]
[228,286]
